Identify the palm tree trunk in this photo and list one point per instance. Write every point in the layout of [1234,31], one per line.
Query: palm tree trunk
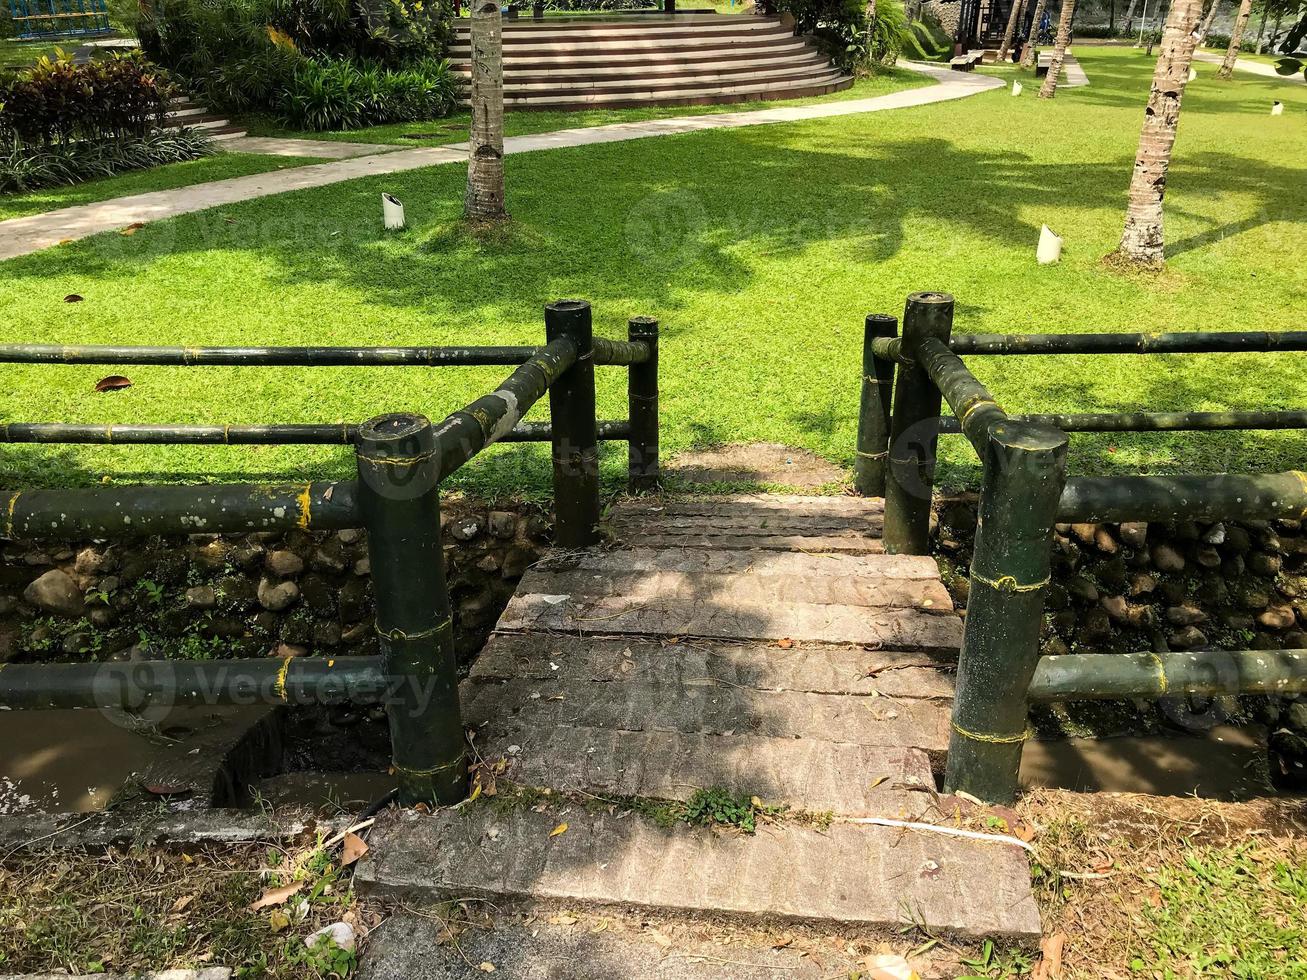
[1049,89]
[870,14]
[1142,241]
[1207,22]
[1261,28]
[1130,17]
[1236,39]
[1028,52]
[484,200]
[1013,19]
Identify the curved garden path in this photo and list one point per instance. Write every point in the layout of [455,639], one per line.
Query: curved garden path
[21,236]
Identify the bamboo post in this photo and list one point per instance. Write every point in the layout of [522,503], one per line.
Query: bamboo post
[1025,469]
[399,498]
[572,410]
[642,407]
[914,429]
[874,409]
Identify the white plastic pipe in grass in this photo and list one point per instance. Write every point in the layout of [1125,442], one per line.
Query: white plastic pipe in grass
[1193,73]
[936,829]
[1049,249]
[392,212]
[1016,87]
[1277,108]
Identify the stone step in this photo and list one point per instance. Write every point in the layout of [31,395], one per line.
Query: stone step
[584,947]
[807,775]
[565,82]
[517,35]
[683,59]
[707,708]
[566,71]
[919,567]
[812,669]
[619,48]
[846,874]
[793,504]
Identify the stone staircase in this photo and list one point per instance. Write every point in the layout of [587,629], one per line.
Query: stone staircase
[184,112]
[685,59]
[761,645]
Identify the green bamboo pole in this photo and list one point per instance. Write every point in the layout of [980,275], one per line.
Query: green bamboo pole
[914,429]
[134,511]
[1087,677]
[135,686]
[1156,421]
[572,410]
[1025,467]
[1105,342]
[399,498]
[491,417]
[265,356]
[875,408]
[1224,496]
[971,401]
[610,430]
[642,408]
[620,352]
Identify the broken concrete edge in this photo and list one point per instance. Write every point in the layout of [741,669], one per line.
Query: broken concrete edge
[207,973]
[82,831]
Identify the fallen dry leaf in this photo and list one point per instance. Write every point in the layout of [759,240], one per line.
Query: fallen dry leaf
[785,643]
[182,902]
[355,847]
[275,896]
[133,228]
[487,967]
[166,789]
[278,920]
[113,383]
[72,297]
[560,829]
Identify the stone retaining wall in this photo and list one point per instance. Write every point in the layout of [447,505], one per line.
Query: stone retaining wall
[259,594]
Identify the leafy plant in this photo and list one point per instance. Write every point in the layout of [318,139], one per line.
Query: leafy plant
[719,807]
[25,168]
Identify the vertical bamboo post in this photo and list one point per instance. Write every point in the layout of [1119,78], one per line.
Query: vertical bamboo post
[1025,470]
[399,499]
[576,446]
[642,408]
[874,409]
[914,429]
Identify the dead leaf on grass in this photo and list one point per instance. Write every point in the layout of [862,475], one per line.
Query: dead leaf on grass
[276,896]
[113,382]
[133,228]
[559,830]
[182,902]
[355,847]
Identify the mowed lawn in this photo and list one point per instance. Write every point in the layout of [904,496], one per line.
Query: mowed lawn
[759,249]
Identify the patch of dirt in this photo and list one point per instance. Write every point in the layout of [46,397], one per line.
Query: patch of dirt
[756,463]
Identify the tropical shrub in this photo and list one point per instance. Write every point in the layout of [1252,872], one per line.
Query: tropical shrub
[840,27]
[56,101]
[326,94]
[26,167]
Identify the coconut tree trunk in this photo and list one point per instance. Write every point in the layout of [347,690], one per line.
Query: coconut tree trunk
[1130,17]
[484,200]
[1013,19]
[1261,28]
[1028,52]
[1236,39]
[1049,89]
[1142,241]
[1207,22]
[870,13]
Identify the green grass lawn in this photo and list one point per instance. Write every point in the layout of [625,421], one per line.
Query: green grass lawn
[217,167]
[14,52]
[760,249]
[454,128]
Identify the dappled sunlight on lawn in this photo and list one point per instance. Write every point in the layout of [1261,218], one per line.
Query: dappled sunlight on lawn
[760,250]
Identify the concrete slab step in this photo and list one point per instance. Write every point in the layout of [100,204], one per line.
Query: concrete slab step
[813,669]
[710,709]
[621,47]
[864,876]
[716,505]
[731,561]
[804,774]
[564,81]
[651,58]
[514,36]
[668,68]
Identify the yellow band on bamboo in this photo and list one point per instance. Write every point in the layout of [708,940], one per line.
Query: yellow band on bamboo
[305,501]
[975,405]
[433,770]
[991,738]
[279,689]
[397,460]
[399,634]
[1302,478]
[1007,583]
[9,515]
[1163,683]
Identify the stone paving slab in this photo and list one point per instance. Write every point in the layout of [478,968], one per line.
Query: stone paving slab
[710,709]
[724,561]
[406,947]
[20,236]
[868,876]
[815,669]
[208,973]
[804,774]
[323,149]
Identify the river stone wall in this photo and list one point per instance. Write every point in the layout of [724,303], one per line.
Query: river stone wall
[262,594]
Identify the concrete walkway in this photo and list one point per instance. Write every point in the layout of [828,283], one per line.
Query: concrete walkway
[1252,67]
[21,236]
[277,146]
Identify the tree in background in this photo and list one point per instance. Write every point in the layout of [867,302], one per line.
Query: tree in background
[1130,17]
[484,200]
[1014,18]
[1049,89]
[1236,39]
[1028,53]
[1142,242]
[1207,21]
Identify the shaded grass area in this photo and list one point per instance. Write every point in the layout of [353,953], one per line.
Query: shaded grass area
[15,53]
[760,249]
[1171,887]
[454,128]
[217,167]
